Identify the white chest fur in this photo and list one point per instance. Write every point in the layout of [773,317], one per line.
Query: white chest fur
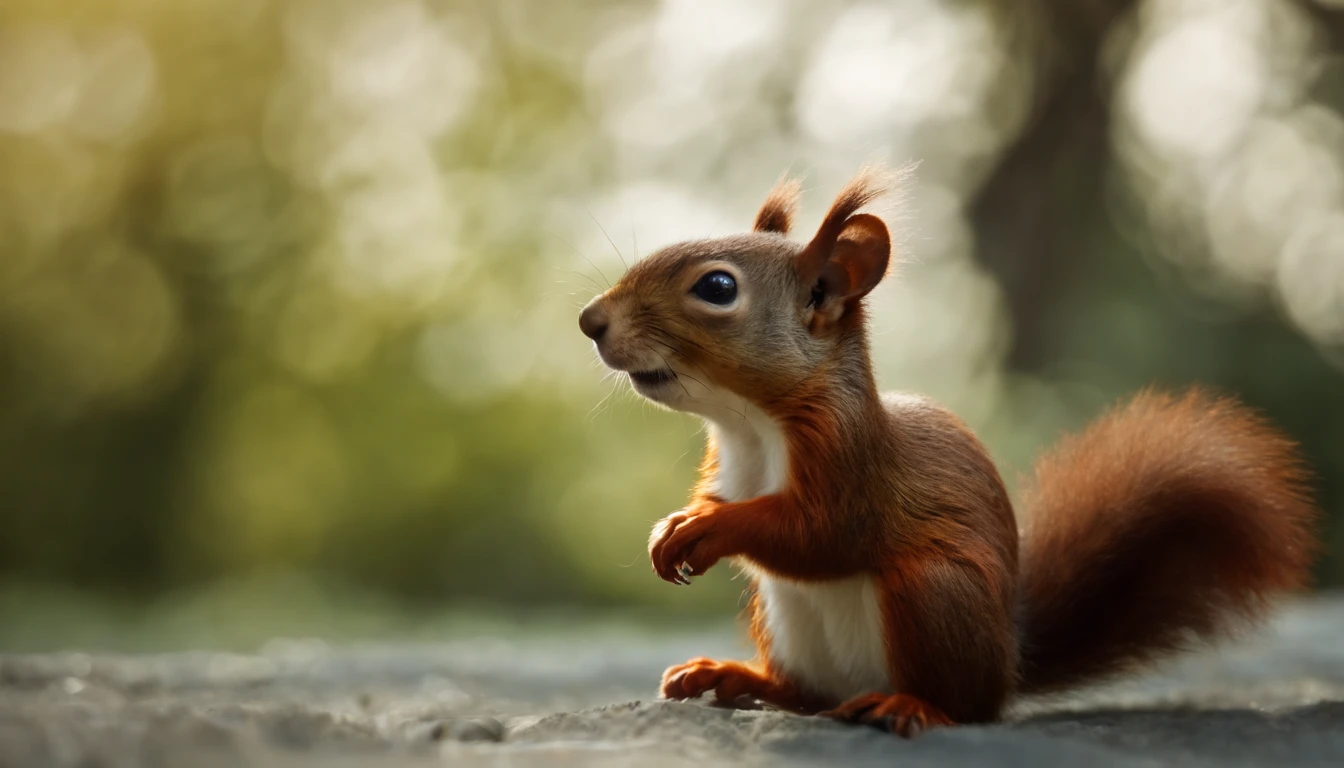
[827,635]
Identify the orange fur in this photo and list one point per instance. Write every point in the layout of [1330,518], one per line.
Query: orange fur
[870,184]
[898,712]
[776,213]
[1169,517]
[1193,491]
[732,681]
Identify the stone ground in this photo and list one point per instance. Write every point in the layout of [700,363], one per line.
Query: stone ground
[585,699]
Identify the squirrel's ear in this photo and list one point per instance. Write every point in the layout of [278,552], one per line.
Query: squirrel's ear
[848,256]
[856,263]
[776,213]
[859,260]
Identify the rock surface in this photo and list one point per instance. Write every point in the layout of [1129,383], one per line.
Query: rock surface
[1275,698]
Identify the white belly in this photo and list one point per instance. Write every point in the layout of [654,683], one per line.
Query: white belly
[827,635]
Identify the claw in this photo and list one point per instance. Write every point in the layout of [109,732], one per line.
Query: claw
[900,714]
[684,570]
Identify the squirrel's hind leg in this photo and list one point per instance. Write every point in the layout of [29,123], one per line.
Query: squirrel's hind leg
[898,713]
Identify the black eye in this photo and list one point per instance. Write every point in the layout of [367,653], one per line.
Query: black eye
[818,295]
[717,288]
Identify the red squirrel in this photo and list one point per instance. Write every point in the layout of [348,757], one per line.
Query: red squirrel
[890,584]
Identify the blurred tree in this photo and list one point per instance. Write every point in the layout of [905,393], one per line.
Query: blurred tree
[290,285]
[1046,227]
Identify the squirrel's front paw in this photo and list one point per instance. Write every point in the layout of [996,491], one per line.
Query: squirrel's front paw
[681,546]
[700,676]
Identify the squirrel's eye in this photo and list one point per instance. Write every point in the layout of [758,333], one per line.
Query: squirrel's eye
[818,295]
[716,288]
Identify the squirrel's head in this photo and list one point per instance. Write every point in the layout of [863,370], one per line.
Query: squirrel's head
[700,324]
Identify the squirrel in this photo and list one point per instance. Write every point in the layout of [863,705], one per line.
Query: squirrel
[890,583]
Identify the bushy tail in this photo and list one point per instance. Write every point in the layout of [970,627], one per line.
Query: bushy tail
[1171,519]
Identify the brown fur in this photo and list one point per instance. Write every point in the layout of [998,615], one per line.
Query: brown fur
[1167,518]
[732,681]
[870,184]
[902,713]
[1170,516]
[776,213]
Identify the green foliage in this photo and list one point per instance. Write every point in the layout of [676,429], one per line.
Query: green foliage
[290,286]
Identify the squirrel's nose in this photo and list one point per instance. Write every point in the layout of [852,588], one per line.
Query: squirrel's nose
[593,321]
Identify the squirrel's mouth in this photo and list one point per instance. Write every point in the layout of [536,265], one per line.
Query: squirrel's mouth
[652,379]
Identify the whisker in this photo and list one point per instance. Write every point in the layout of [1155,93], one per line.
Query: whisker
[728,408]
[609,240]
[610,375]
[674,375]
[801,380]
[692,378]
[589,278]
[672,337]
[596,409]
[571,304]
[580,254]
[666,338]
[683,455]
[673,341]
[734,410]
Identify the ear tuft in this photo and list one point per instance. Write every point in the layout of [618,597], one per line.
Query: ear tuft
[776,213]
[871,183]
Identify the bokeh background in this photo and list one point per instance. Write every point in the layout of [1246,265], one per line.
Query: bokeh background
[288,289]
